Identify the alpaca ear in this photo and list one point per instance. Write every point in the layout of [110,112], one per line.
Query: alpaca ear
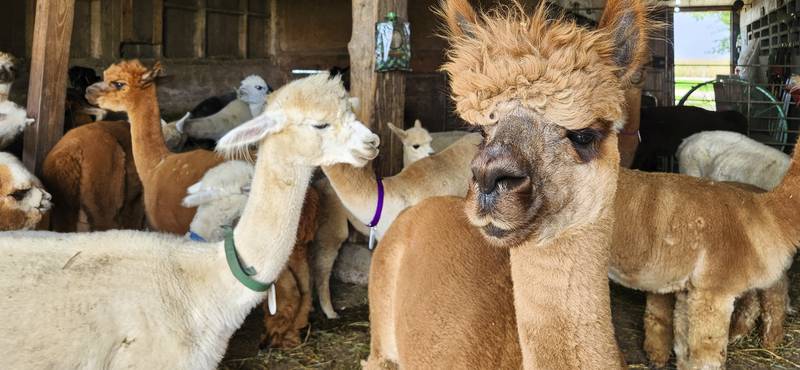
[400,133]
[151,75]
[238,140]
[417,123]
[627,23]
[460,17]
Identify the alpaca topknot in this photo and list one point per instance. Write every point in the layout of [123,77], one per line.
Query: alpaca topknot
[546,64]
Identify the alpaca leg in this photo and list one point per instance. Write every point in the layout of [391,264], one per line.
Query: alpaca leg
[709,316]
[332,232]
[773,307]
[658,328]
[681,324]
[302,275]
[279,331]
[745,314]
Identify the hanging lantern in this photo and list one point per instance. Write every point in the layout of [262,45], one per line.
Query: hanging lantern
[392,44]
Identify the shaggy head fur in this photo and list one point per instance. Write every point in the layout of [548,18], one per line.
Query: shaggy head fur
[23,200]
[416,142]
[549,95]
[314,117]
[122,84]
[8,68]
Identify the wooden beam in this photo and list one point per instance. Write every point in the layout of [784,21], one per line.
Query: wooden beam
[48,79]
[382,94]
[243,19]
[200,20]
[96,29]
[158,29]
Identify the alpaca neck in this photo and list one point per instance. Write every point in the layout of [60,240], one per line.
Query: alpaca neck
[256,108]
[561,299]
[357,188]
[784,200]
[266,232]
[147,138]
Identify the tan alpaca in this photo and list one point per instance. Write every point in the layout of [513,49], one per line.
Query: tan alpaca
[93,178]
[350,194]
[542,199]
[129,86]
[708,242]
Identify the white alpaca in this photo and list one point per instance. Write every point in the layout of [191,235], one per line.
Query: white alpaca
[730,156]
[23,200]
[220,197]
[418,143]
[250,101]
[129,299]
[13,118]
[350,194]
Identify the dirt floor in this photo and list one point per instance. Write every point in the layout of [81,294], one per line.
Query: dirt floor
[343,343]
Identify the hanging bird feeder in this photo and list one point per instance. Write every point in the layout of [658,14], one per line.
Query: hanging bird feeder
[392,44]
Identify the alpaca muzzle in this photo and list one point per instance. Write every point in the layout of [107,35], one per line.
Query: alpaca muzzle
[7,74]
[95,91]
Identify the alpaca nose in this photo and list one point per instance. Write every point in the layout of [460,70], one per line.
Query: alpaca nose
[373,140]
[496,170]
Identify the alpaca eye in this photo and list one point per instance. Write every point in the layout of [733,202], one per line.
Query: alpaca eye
[322,126]
[19,195]
[582,137]
[415,146]
[259,88]
[118,85]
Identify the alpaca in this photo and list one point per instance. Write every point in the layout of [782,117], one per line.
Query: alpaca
[709,243]
[730,156]
[220,198]
[250,101]
[92,175]
[520,279]
[131,299]
[129,86]
[23,200]
[350,194]
[418,143]
[13,118]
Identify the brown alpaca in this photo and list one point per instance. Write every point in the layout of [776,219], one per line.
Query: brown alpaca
[129,86]
[708,242]
[548,95]
[293,288]
[93,179]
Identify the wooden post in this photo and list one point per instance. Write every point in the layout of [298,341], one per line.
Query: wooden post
[382,94]
[200,30]
[158,29]
[48,79]
[243,19]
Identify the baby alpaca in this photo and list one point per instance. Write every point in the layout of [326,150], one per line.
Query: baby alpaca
[132,299]
[23,200]
[13,118]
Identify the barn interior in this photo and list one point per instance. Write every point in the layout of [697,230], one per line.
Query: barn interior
[208,46]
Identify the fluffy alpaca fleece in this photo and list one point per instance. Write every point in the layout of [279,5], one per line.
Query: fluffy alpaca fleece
[730,156]
[250,102]
[708,242]
[13,118]
[350,194]
[128,299]
[129,86]
[23,200]
[538,195]
[93,178]
[220,198]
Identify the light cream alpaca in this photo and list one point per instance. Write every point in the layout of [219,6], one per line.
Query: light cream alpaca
[418,143]
[351,194]
[13,118]
[23,200]
[127,299]
[544,186]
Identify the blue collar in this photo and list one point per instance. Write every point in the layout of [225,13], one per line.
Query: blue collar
[196,237]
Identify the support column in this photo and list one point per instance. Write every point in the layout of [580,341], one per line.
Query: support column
[382,94]
[48,79]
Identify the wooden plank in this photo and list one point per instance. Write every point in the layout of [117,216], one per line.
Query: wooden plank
[200,30]
[382,94]
[158,28]
[243,19]
[96,32]
[48,79]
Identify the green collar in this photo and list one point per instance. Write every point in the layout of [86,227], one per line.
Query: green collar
[243,274]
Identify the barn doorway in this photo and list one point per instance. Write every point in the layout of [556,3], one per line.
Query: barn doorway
[702,51]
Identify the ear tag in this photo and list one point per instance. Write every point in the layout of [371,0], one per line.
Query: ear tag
[372,232]
[272,301]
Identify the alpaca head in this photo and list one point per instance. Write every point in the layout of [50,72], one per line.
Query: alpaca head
[416,142]
[23,201]
[253,90]
[8,68]
[310,121]
[548,96]
[123,86]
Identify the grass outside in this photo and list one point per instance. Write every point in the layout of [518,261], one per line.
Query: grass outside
[689,73]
